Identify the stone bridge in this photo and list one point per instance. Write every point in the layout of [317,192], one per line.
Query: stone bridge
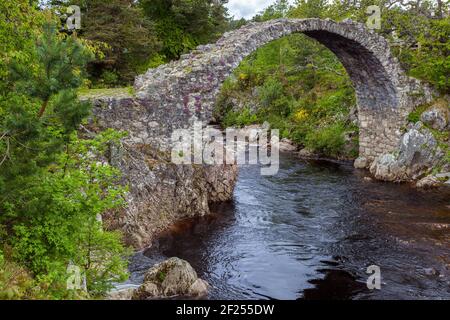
[177,94]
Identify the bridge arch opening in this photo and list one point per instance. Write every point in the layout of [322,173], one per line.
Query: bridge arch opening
[185,91]
[301,88]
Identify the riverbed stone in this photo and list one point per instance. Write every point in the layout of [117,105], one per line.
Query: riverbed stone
[429,181]
[170,278]
[121,294]
[286,145]
[361,162]
[306,153]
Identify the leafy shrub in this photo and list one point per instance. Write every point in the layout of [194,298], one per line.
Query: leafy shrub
[327,140]
[52,182]
[300,115]
[109,78]
[271,91]
[239,118]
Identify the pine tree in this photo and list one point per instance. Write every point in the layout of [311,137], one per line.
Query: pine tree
[128,38]
[51,185]
[183,24]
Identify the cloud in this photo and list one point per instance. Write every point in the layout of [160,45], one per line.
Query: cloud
[247,8]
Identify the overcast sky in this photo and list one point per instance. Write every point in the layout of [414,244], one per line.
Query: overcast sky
[247,8]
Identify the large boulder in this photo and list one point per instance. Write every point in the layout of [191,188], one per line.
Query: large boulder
[287,145]
[417,153]
[162,193]
[437,117]
[386,167]
[122,293]
[170,278]
[428,182]
[306,153]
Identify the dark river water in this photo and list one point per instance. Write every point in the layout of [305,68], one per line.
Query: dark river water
[310,232]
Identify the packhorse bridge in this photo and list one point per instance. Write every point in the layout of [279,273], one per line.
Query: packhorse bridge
[175,95]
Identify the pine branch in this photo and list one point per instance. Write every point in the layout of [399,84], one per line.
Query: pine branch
[43,107]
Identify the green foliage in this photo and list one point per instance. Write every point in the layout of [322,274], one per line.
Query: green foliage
[241,118]
[300,88]
[128,38]
[183,24]
[52,185]
[432,61]
[414,116]
[311,9]
[161,276]
[109,79]
[153,62]
[277,10]
[20,22]
[271,91]
[418,32]
[328,140]
[15,281]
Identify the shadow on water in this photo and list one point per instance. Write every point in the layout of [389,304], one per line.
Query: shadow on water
[310,232]
[335,285]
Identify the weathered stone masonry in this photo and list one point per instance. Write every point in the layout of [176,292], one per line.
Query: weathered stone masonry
[176,94]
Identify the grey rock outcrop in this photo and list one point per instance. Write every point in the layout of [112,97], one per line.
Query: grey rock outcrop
[418,152]
[122,294]
[170,278]
[162,193]
[437,117]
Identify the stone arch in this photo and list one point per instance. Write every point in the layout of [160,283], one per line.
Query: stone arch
[176,94]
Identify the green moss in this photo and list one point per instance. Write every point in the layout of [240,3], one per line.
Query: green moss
[161,276]
[414,116]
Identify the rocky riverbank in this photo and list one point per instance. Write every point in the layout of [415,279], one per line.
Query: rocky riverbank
[422,155]
[160,192]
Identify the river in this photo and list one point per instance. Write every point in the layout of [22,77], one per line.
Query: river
[310,232]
